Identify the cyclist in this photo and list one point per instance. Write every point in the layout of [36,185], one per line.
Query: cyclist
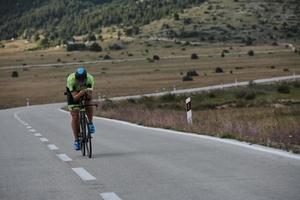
[80,84]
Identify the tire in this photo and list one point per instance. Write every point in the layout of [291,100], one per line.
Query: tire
[83,134]
[89,145]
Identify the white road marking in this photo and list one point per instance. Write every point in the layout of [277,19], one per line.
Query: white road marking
[83,174]
[37,134]
[64,157]
[44,139]
[28,127]
[25,124]
[52,147]
[110,196]
[32,130]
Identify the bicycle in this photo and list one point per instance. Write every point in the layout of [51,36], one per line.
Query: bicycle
[84,136]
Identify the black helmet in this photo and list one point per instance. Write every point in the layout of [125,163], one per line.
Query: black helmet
[80,73]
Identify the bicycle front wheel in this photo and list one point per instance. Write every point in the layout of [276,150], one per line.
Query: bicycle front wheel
[88,144]
[83,135]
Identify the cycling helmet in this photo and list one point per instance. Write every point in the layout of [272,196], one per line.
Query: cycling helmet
[80,73]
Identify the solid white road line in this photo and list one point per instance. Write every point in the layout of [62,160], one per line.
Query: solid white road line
[52,147]
[44,139]
[110,196]
[83,174]
[64,157]
[32,130]
[37,135]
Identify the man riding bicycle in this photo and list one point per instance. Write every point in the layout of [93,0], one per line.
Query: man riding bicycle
[80,85]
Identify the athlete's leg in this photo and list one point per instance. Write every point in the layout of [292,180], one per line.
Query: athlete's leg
[75,123]
[89,112]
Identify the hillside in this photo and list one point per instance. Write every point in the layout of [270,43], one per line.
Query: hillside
[245,21]
[65,18]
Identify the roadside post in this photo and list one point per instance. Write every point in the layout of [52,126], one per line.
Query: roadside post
[189,110]
[27,101]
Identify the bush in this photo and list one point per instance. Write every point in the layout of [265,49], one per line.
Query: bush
[14,74]
[95,47]
[106,57]
[156,57]
[251,53]
[194,56]
[192,73]
[250,95]
[296,84]
[219,70]
[76,47]
[115,47]
[187,78]
[283,88]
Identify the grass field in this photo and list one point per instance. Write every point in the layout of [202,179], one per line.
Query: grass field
[268,115]
[138,73]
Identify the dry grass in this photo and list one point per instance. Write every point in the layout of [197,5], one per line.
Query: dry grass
[274,127]
[46,84]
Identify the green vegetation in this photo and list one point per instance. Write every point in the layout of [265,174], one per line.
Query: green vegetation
[194,20]
[76,17]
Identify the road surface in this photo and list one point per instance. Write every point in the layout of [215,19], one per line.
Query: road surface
[134,163]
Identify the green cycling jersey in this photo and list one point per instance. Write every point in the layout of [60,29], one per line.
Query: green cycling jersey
[73,85]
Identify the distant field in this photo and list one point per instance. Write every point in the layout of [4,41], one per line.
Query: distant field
[138,73]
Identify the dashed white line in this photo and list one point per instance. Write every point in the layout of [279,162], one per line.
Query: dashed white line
[52,147]
[64,157]
[44,139]
[83,174]
[29,127]
[37,134]
[110,196]
[32,130]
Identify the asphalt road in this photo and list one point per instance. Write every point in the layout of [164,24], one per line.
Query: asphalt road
[133,163]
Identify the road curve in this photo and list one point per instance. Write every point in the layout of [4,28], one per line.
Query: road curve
[132,163]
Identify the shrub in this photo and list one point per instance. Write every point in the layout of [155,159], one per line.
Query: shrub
[187,78]
[286,70]
[156,57]
[211,95]
[194,56]
[251,53]
[115,47]
[241,94]
[76,47]
[250,95]
[219,70]
[296,84]
[176,16]
[283,88]
[95,47]
[106,57]
[192,73]
[14,74]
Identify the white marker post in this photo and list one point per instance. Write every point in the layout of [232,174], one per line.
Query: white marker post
[27,101]
[189,110]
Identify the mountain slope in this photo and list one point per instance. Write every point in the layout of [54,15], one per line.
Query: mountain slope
[69,17]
